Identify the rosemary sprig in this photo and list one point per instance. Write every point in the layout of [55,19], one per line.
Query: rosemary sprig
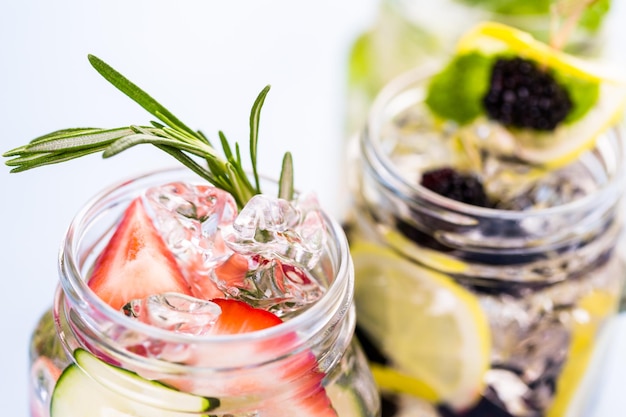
[191,148]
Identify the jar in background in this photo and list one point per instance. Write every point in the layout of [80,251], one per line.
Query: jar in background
[405,33]
[87,356]
[474,311]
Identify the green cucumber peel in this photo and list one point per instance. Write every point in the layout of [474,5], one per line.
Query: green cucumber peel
[111,386]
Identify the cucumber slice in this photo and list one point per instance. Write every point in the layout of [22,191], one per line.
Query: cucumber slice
[346,401]
[91,387]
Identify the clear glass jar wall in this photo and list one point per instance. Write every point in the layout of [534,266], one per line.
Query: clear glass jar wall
[479,311]
[231,375]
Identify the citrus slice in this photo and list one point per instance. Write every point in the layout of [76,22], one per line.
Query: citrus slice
[493,38]
[568,140]
[432,329]
[591,336]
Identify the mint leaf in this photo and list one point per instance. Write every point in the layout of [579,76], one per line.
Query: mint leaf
[456,92]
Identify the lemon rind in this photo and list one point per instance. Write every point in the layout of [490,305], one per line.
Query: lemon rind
[493,38]
[474,356]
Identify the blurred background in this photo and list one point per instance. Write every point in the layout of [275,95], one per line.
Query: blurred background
[206,62]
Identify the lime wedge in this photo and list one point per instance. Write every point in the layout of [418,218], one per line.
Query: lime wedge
[433,330]
[568,140]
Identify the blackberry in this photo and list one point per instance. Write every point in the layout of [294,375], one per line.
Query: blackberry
[452,184]
[523,95]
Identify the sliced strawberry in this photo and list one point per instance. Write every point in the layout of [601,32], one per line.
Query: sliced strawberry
[299,379]
[136,262]
[239,317]
[306,395]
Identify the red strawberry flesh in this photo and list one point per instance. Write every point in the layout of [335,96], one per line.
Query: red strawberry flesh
[136,262]
[239,317]
[305,396]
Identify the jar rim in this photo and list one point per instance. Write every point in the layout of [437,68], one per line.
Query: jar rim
[373,154]
[308,323]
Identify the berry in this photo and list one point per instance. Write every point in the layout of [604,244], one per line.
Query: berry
[298,374]
[238,317]
[449,183]
[136,262]
[523,95]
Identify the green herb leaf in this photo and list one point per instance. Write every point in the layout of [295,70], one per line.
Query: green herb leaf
[137,94]
[255,116]
[456,92]
[172,136]
[285,184]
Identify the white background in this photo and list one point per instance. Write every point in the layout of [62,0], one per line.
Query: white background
[204,60]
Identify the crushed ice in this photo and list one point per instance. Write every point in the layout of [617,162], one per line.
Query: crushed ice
[262,255]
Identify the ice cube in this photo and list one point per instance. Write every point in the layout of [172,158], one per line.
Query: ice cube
[551,189]
[273,285]
[261,256]
[275,228]
[530,342]
[174,312]
[189,217]
[281,241]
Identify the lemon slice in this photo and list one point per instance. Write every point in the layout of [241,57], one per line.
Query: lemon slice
[433,330]
[493,38]
[591,335]
[569,140]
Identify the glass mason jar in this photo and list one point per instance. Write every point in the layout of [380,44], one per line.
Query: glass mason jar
[473,311]
[405,33]
[247,374]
